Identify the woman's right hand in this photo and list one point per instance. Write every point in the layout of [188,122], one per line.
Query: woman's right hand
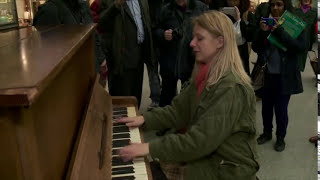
[168,34]
[264,26]
[132,121]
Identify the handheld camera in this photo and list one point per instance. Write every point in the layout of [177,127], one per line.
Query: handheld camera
[269,21]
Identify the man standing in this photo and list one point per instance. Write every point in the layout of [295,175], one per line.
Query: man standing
[127,28]
[173,31]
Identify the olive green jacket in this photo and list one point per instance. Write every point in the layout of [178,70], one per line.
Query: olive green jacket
[220,141]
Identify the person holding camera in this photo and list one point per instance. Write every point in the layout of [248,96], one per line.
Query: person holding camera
[173,31]
[282,77]
[237,11]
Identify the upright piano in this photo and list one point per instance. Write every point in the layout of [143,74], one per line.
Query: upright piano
[56,120]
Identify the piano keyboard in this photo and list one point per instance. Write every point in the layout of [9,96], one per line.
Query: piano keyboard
[122,136]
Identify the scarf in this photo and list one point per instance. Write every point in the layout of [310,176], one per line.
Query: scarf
[200,82]
[305,8]
[201,78]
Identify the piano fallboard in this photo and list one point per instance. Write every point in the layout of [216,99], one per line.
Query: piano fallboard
[94,156]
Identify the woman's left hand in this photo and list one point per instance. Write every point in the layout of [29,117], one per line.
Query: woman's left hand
[276,25]
[237,16]
[133,150]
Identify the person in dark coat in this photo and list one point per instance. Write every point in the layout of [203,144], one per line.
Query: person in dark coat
[308,14]
[213,4]
[55,12]
[247,28]
[128,37]
[283,77]
[174,33]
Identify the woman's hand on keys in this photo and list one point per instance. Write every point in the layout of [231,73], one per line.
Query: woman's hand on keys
[131,121]
[134,150]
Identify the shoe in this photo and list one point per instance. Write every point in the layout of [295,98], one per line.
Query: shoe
[152,105]
[263,138]
[280,144]
[313,139]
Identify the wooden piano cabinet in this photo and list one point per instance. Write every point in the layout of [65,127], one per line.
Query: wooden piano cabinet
[91,158]
[41,106]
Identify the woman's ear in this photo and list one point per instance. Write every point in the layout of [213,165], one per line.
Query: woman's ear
[220,41]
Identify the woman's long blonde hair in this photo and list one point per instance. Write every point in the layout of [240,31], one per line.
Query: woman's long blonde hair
[227,57]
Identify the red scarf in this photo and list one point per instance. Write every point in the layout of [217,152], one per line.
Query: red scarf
[201,77]
[200,82]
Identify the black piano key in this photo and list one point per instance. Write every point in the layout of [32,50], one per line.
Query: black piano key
[121,136]
[119,116]
[124,170]
[120,129]
[124,178]
[117,161]
[121,168]
[120,109]
[118,124]
[120,143]
[114,151]
[120,112]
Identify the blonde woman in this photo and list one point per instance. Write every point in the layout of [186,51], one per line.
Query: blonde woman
[217,108]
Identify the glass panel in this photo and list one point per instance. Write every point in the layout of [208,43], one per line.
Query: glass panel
[8,14]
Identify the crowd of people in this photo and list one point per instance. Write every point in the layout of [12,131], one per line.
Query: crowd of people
[207,48]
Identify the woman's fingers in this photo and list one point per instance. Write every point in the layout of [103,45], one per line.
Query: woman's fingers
[131,121]
[124,120]
[126,153]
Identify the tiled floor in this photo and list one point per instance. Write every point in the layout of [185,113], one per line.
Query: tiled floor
[299,160]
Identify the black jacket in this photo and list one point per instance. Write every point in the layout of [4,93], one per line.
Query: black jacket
[290,74]
[176,55]
[55,12]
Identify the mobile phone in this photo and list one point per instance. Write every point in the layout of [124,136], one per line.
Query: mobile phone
[269,21]
[229,10]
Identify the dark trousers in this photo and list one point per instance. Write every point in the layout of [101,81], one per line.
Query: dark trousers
[168,87]
[154,83]
[274,101]
[128,83]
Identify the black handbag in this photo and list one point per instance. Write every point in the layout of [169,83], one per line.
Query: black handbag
[258,73]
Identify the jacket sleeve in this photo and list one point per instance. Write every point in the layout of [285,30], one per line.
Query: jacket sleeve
[158,30]
[48,14]
[213,127]
[259,40]
[248,28]
[108,12]
[293,45]
[171,116]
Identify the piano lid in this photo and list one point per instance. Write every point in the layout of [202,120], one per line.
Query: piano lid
[31,57]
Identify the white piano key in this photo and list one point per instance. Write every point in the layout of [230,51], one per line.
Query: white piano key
[140,172]
[138,163]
